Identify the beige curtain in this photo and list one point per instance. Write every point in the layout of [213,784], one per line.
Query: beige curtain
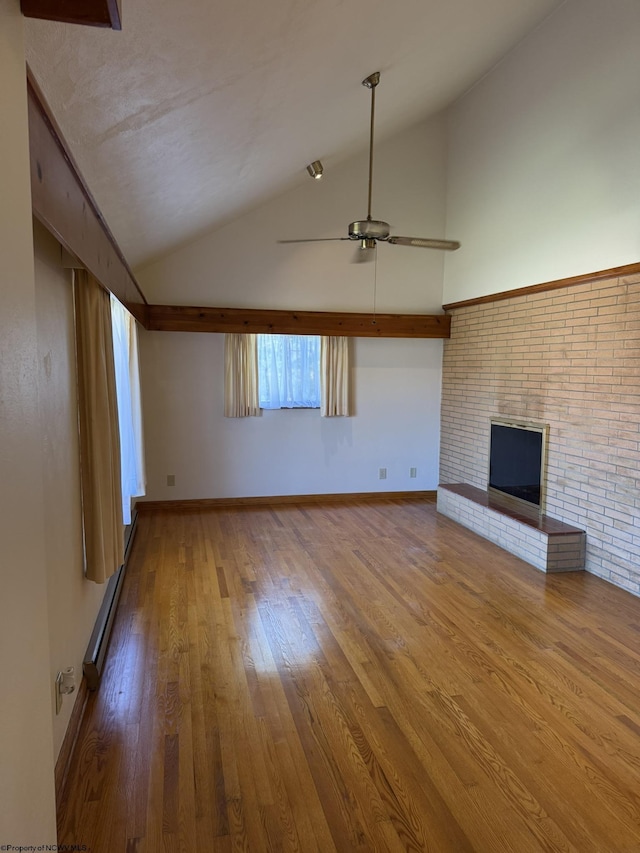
[99,437]
[241,376]
[334,376]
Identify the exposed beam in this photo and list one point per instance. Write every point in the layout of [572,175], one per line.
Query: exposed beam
[92,13]
[63,203]
[186,318]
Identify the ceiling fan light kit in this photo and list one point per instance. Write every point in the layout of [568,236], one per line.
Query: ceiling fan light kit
[369,231]
[367,244]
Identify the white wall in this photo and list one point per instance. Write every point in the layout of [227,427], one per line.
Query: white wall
[73,602]
[27,810]
[288,452]
[543,170]
[397,382]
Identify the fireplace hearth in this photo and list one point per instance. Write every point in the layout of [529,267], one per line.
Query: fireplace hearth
[546,543]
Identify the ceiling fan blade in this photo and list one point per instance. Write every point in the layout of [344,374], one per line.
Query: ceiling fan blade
[315,240]
[425,243]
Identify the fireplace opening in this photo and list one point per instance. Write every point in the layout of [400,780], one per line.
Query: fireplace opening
[517,457]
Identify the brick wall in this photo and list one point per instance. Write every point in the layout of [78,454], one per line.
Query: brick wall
[569,358]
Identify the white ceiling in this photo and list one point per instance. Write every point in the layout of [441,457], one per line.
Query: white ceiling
[198,111]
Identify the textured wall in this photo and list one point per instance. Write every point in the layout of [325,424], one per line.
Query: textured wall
[569,358]
[27,810]
[73,602]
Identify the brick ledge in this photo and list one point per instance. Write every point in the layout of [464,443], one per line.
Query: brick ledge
[536,520]
[546,543]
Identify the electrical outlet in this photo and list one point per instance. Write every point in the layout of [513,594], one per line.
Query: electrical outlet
[171,479]
[413,472]
[65,684]
[58,693]
[382,474]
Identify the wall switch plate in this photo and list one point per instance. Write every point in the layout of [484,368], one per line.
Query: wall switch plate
[171,479]
[382,474]
[413,472]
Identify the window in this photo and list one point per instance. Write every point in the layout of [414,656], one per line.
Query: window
[289,371]
[294,371]
[127,381]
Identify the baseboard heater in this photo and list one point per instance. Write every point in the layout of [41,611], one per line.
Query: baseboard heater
[97,649]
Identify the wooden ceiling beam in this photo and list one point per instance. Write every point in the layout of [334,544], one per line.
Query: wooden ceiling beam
[63,203]
[92,13]
[186,318]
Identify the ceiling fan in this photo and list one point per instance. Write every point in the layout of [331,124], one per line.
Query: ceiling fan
[369,231]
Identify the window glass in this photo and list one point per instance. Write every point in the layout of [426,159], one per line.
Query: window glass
[125,355]
[289,371]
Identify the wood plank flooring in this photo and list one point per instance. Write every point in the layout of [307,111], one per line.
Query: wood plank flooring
[355,677]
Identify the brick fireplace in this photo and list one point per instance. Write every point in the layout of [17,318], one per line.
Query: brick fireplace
[568,357]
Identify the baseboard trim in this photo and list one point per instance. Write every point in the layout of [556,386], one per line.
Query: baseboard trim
[71,736]
[65,755]
[199,504]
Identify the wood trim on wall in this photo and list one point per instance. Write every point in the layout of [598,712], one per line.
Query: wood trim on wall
[198,505]
[62,202]
[92,13]
[586,278]
[186,318]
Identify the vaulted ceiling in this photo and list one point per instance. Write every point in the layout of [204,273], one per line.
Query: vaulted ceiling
[197,111]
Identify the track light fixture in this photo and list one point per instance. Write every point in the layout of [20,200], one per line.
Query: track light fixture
[315,169]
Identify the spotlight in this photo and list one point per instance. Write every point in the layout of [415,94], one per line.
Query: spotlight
[315,169]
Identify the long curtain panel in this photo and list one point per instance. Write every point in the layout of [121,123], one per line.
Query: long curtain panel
[240,376]
[99,434]
[335,377]
[129,409]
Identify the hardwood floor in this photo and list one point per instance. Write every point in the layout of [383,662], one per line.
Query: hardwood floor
[357,677]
